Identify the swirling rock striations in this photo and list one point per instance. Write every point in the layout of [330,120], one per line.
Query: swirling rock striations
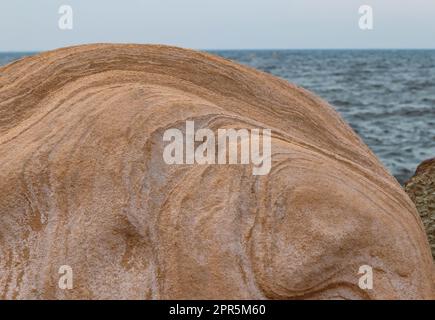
[83,183]
[421,189]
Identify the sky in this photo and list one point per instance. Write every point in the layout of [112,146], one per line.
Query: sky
[219,24]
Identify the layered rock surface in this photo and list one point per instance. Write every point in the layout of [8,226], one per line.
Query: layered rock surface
[83,183]
[421,189]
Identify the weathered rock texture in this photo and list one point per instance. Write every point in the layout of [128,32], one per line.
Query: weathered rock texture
[83,183]
[421,189]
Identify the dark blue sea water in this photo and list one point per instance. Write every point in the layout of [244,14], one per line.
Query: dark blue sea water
[6,57]
[387,96]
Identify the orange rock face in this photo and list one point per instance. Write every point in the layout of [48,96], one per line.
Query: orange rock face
[421,189]
[83,184]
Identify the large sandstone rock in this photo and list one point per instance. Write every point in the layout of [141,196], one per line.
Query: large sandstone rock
[421,189]
[83,184]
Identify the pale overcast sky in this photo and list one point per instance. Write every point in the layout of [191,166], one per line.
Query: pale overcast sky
[218,24]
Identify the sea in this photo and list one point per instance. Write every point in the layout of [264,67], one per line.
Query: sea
[387,96]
